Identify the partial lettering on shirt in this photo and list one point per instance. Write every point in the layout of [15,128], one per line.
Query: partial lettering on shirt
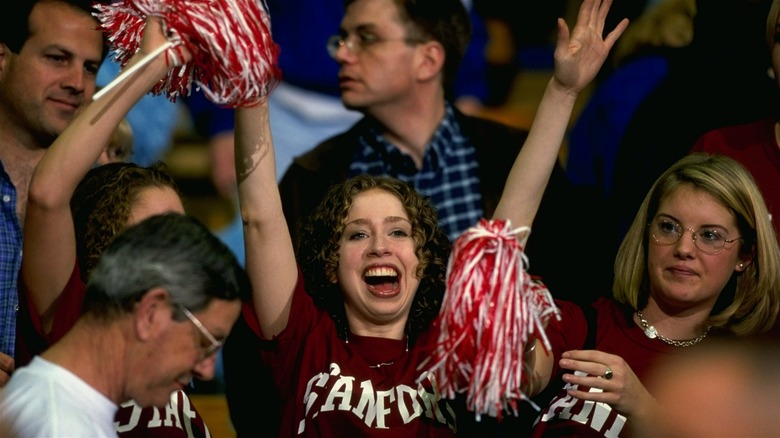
[335,391]
[177,414]
[599,416]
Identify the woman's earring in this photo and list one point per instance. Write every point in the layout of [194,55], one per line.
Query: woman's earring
[741,266]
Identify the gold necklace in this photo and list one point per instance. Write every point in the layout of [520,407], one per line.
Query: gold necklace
[652,333]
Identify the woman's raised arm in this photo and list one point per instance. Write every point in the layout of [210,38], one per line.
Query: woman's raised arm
[579,56]
[49,240]
[270,259]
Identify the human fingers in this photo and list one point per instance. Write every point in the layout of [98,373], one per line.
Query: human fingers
[153,35]
[587,382]
[587,12]
[593,14]
[6,368]
[601,15]
[623,391]
[610,39]
[591,362]
[156,34]
[588,355]
[563,33]
[600,19]
[581,51]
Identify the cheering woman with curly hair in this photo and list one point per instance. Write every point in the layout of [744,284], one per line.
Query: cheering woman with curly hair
[346,332]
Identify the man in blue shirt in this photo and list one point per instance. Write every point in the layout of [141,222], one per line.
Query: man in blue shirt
[397,67]
[398,62]
[50,52]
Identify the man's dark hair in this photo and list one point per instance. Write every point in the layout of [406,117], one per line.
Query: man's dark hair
[15,20]
[444,21]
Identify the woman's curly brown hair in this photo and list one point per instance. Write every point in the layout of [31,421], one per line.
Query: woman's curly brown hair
[103,201]
[319,246]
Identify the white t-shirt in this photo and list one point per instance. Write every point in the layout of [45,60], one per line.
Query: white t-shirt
[44,399]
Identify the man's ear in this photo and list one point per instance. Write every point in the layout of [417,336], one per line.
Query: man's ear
[431,61]
[152,313]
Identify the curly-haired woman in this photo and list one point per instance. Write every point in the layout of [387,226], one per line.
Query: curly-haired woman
[347,332]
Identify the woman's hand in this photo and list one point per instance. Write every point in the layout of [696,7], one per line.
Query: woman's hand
[155,36]
[580,55]
[623,391]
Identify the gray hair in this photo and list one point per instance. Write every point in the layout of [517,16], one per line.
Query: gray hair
[171,251]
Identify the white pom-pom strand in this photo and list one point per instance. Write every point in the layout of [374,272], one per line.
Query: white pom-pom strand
[491,310]
[234,57]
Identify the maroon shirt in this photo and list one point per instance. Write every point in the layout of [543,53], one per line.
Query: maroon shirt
[366,387]
[616,333]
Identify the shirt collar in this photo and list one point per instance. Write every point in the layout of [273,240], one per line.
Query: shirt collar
[438,148]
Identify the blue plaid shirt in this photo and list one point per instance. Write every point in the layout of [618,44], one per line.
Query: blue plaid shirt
[10,261]
[448,175]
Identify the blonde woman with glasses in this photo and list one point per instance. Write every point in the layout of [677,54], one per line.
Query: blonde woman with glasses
[699,260]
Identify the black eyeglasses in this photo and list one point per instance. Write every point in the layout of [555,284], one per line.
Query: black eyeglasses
[710,240]
[215,345]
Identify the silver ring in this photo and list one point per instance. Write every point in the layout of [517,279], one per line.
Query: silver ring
[607,374]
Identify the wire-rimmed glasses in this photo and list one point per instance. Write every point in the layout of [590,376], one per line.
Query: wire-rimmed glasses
[709,239]
[214,346]
[361,41]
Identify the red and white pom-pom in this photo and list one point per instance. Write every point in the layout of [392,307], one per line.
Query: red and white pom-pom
[234,56]
[492,308]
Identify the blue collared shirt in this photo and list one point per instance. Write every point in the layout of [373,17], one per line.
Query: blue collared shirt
[10,262]
[448,174]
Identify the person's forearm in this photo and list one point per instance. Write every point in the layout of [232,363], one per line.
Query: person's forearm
[50,243]
[79,146]
[532,168]
[270,259]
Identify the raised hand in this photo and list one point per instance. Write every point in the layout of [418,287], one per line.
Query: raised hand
[580,54]
[578,57]
[155,35]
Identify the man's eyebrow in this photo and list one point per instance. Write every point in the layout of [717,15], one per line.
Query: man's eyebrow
[362,27]
[70,53]
[58,48]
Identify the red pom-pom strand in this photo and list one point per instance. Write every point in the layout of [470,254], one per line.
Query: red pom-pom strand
[491,311]
[234,57]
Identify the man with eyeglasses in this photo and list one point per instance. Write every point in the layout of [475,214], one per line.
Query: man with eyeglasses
[398,61]
[158,306]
